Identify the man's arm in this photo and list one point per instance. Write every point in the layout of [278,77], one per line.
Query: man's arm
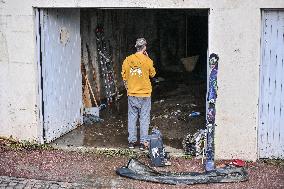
[123,74]
[123,71]
[152,70]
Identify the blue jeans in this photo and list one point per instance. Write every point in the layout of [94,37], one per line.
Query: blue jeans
[138,106]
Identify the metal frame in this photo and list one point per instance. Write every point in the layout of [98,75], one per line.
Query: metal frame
[275,151]
[38,60]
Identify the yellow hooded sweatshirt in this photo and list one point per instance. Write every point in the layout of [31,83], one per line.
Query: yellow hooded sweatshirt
[136,70]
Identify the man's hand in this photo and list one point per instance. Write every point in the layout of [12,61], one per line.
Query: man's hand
[145,53]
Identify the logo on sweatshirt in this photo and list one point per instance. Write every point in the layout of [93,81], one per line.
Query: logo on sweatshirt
[136,71]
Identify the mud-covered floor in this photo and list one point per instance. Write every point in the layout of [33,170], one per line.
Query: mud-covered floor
[172,101]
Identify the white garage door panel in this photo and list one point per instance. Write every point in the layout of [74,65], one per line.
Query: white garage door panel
[271,106]
[61,74]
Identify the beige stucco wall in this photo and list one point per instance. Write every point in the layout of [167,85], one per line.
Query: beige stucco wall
[18,117]
[234,34]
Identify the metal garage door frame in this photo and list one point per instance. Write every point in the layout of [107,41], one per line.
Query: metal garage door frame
[271,99]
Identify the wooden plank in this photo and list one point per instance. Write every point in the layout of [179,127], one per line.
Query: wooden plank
[90,88]
[86,97]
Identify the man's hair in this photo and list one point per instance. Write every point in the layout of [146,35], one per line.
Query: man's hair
[140,44]
[140,48]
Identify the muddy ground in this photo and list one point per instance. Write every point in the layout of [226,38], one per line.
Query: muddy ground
[172,101]
[57,165]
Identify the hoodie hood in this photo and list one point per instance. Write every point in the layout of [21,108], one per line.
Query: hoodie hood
[136,60]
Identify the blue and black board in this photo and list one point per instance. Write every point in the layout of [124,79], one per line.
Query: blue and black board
[211,112]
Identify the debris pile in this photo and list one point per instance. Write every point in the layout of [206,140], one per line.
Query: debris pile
[89,119]
[194,144]
[138,171]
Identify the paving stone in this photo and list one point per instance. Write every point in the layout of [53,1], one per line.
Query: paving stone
[19,186]
[3,184]
[27,186]
[13,183]
[53,186]
[22,183]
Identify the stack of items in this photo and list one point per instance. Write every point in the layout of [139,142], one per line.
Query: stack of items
[194,145]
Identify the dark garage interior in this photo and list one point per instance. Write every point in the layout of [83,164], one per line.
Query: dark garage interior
[177,42]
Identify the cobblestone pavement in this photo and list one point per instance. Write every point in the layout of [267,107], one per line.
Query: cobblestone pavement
[22,183]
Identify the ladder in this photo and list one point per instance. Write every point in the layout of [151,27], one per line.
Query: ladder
[106,66]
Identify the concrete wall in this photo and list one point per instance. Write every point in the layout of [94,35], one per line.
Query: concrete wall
[18,81]
[234,34]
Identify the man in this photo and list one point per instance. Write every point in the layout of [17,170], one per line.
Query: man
[136,72]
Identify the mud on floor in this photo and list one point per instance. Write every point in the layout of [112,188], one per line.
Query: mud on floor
[172,101]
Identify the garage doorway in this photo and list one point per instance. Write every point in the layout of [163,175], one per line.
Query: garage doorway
[177,43]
